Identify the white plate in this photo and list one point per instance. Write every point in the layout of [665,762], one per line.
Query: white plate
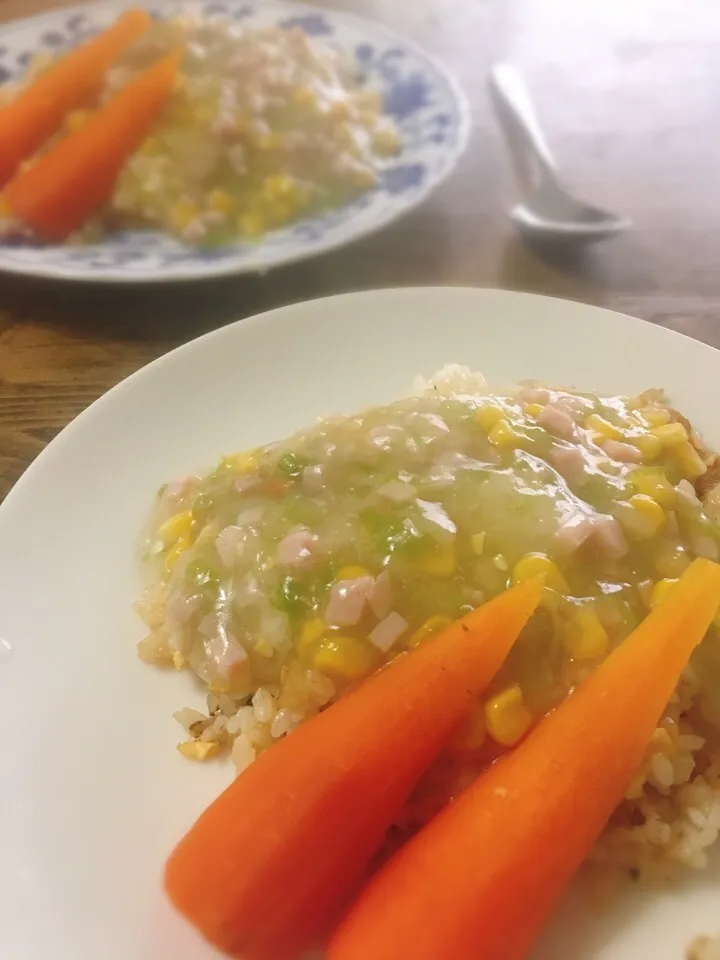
[426,103]
[93,793]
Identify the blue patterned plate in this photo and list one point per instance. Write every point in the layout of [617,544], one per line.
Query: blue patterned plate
[425,102]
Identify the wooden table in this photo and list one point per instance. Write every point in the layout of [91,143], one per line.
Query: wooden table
[629,91]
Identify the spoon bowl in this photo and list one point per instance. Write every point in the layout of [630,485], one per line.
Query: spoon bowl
[548,211]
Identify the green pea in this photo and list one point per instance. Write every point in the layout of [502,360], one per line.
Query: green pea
[291,465]
[293,597]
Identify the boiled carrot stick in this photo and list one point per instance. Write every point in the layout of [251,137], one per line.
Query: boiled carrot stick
[480,880]
[69,183]
[39,110]
[266,867]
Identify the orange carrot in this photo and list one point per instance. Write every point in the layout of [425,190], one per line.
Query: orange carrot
[39,110]
[481,879]
[268,865]
[69,183]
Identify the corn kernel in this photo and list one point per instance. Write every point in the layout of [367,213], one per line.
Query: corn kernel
[533,409]
[386,140]
[472,734]
[539,564]
[176,526]
[648,508]
[641,516]
[661,590]
[477,542]
[650,446]
[199,749]
[278,186]
[173,554]
[264,649]
[340,110]
[304,97]
[670,434]
[363,176]
[507,719]
[221,201]
[488,414]
[241,462]
[268,141]
[586,638]
[438,562]
[310,633]
[252,224]
[689,460]
[179,661]
[151,147]
[655,416]
[205,113]
[653,483]
[609,467]
[431,626]
[352,572]
[343,658]
[503,435]
[607,430]
[661,741]
[183,213]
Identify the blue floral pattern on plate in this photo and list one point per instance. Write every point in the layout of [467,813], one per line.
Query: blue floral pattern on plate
[423,99]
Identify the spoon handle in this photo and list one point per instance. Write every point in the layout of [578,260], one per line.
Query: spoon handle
[514,110]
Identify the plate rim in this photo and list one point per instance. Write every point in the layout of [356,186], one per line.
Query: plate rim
[229,268]
[523,310]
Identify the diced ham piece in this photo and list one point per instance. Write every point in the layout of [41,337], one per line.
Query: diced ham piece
[176,491]
[246,482]
[609,536]
[347,601]
[179,608]
[388,631]
[380,596]
[570,463]
[575,407]
[557,421]
[296,548]
[624,452]
[574,532]
[228,543]
[225,652]
[534,395]
[312,479]
[178,611]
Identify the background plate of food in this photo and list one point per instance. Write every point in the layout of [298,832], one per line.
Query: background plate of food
[269,576]
[278,132]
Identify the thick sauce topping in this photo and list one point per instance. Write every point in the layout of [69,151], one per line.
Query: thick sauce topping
[301,567]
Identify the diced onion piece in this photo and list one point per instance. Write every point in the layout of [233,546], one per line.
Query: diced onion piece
[556,421]
[380,595]
[624,452]
[296,548]
[227,544]
[398,491]
[388,631]
[347,601]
